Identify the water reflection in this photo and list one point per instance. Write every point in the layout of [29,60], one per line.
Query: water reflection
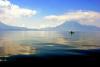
[10,47]
[31,42]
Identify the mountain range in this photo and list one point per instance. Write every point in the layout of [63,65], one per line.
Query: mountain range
[6,27]
[72,26]
[67,26]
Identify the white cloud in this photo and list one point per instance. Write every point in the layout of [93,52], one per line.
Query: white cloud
[10,12]
[15,15]
[83,17]
[4,3]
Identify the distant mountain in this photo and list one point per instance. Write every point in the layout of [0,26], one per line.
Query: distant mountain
[72,26]
[8,27]
[67,26]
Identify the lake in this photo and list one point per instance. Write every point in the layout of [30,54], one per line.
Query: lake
[42,43]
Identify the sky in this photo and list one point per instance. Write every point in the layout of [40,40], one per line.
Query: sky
[49,13]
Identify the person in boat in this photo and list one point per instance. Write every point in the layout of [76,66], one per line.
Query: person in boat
[71,32]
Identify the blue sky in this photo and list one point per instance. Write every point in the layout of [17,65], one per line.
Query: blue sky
[58,6]
[49,13]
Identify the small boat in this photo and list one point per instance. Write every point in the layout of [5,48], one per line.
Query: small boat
[71,32]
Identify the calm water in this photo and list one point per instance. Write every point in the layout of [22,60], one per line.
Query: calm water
[46,43]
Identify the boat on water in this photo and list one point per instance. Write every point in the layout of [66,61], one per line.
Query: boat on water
[71,32]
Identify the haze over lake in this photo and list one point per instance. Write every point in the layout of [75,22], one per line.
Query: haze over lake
[46,42]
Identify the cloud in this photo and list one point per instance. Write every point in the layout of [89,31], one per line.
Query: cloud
[13,14]
[10,12]
[83,17]
[4,3]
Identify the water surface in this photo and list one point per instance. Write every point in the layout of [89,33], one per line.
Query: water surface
[47,42]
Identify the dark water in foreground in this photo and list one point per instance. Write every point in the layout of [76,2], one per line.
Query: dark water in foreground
[41,43]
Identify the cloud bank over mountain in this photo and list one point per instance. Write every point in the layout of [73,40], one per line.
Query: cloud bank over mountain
[83,17]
